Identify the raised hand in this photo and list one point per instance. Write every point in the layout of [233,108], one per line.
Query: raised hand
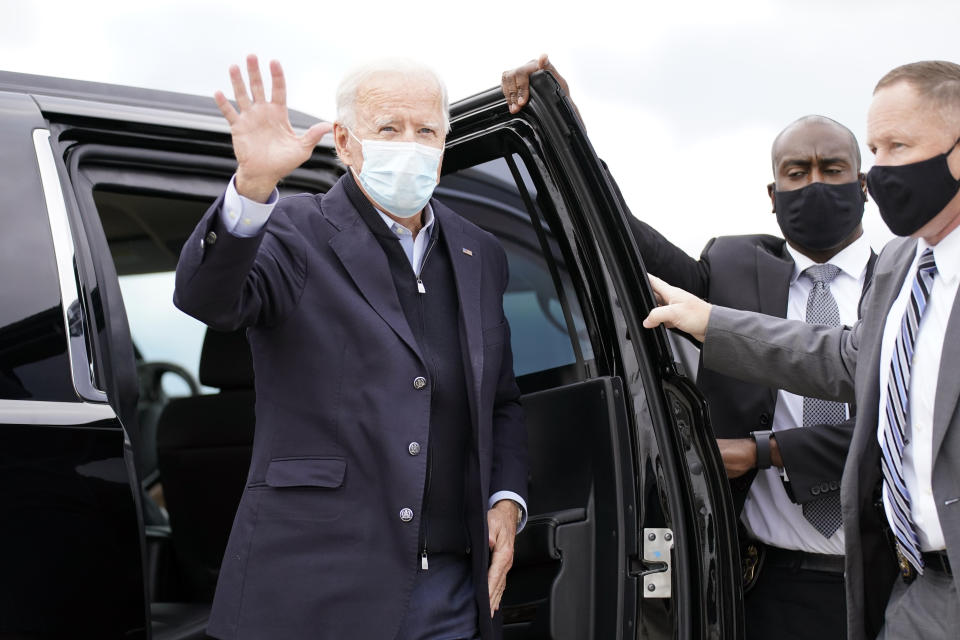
[266,146]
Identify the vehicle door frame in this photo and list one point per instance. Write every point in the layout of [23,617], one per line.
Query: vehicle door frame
[707,596]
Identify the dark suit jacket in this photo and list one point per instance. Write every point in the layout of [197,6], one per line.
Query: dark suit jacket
[318,548]
[751,273]
[843,364]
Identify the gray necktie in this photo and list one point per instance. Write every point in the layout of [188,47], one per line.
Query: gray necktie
[823,513]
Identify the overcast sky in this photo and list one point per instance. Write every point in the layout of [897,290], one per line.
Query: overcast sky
[681,98]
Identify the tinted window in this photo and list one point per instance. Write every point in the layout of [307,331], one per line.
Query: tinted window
[543,338]
[33,347]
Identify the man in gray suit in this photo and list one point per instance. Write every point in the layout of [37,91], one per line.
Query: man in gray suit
[901,485]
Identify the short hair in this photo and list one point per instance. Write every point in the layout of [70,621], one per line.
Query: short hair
[817,119]
[355,79]
[936,81]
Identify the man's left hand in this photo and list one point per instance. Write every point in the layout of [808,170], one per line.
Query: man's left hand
[502,525]
[739,455]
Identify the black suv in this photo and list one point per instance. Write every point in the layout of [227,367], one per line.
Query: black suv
[126,427]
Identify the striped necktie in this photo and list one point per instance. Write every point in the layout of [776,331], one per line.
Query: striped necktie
[824,512]
[895,430]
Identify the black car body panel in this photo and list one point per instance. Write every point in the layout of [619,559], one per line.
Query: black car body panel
[102,185]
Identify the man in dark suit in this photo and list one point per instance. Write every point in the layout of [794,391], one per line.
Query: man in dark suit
[901,485]
[389,462]
[784,453]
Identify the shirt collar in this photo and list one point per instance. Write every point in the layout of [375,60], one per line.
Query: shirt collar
[852,260]
[946,253]
[401,230]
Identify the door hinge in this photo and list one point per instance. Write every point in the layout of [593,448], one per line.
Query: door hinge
[656,567]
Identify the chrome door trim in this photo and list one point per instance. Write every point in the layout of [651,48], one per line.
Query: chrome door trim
[65,252]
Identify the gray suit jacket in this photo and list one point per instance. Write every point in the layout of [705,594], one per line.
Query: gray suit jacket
[823,362]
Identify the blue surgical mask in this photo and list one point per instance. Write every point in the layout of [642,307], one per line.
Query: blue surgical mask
[399,176]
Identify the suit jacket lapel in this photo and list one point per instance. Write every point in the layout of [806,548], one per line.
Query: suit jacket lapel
[466,272]
[948,382]
[364,259]
[773,282]
[886,284]
[773,291]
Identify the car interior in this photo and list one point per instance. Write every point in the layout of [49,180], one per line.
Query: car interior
[196,404]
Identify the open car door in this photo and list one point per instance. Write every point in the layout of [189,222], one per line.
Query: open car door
[631,530]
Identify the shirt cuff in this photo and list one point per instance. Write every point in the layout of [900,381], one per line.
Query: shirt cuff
[510,495]
[242,216]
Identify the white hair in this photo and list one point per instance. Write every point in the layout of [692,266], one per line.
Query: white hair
[355,79]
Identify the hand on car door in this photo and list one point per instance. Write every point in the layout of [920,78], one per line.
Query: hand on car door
[678,309]
[515,83]
[266,146]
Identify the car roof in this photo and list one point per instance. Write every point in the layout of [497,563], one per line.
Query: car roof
[81,97]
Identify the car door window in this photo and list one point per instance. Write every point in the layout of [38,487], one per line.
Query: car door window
[34,358]
[546,321]
[153,320]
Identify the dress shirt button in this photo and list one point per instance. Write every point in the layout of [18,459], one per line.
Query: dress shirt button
[210,238]
[406,514]
[414,448]
[419,382]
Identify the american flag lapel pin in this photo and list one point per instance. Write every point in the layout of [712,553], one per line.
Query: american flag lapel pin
[467,251]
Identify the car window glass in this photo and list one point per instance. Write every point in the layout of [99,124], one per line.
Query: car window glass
[34,363]
[148,299]
[487,194]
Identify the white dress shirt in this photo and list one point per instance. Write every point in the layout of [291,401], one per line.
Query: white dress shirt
[924,374]
[769,514]
[244,218]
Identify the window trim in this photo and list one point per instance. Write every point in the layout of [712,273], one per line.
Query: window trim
[64,249]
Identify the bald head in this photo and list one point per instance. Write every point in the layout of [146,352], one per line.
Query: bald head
[794,134]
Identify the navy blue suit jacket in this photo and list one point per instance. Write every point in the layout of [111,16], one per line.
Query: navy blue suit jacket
[318,548]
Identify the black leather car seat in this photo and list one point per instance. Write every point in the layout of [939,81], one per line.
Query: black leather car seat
[203,449]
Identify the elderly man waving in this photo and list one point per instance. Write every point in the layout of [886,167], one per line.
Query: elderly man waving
[390,462]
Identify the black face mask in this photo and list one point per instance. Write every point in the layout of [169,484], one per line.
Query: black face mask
[819,216]
[911,195]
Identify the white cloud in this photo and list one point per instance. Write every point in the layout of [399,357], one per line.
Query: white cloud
[682,98]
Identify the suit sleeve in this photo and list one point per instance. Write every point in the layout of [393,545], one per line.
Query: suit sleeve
[805,359]
[814,457]
[510,456]
[228,282]
[664,259]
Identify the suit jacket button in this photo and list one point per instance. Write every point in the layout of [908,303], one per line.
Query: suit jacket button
[406,514]
[824,487]
[834,485]
[413,448]
[210,238]
[815,490]
[764,419]
[419,382]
